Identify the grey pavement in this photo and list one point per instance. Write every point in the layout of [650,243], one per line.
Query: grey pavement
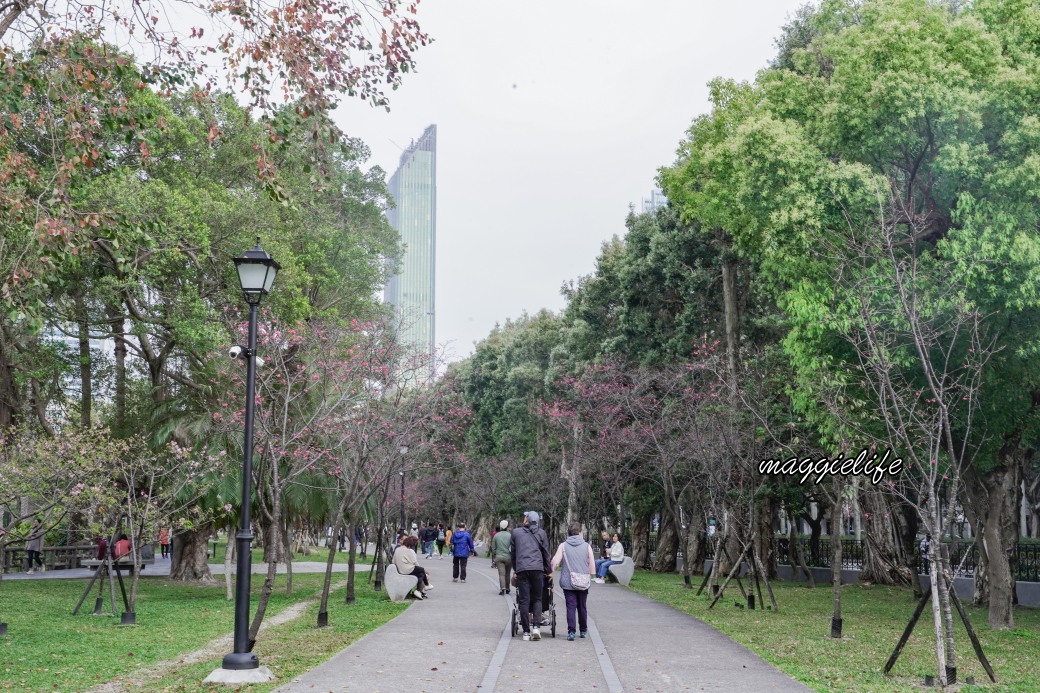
[459,640]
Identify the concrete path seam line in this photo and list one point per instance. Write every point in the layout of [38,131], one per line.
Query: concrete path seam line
[605,665]
[494,669]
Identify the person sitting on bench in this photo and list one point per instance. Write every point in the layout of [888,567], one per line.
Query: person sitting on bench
[617,556]
[405,562]
[121,548]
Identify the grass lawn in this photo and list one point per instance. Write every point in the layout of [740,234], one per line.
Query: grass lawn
[47,649]
[796,638]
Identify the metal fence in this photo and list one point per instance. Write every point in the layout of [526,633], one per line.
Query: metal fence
[964,556]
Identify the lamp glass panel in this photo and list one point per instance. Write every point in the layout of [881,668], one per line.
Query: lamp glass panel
[251,275]
[272,271]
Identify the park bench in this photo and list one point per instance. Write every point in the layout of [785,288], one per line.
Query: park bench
[398,586]
[622,572]
[120,564]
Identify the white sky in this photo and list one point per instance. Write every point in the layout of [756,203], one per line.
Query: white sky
[552,117]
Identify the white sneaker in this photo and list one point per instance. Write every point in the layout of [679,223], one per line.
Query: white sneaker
[429,587]
[599,581]
[418,594]
[535,634]
[527,636]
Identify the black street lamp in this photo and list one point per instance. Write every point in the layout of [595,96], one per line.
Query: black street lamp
[256,273]
[404,451]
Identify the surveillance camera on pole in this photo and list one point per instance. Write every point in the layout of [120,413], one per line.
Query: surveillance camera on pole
[237,353]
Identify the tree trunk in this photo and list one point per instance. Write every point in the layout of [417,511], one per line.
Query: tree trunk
[815,531]
[798,556]
[764,545]
[695,550]
[119,353]
[351,596]
[11,401]
[886,560]
[288,557]
[667,546]
[229,556]
[995,499]
[732,318]
[640,548]
[191,555]
[86,397]
[836,515]
[268,586]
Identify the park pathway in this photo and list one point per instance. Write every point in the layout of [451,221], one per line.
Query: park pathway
[459,640]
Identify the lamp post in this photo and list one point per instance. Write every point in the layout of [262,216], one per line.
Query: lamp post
[256,273]
[404,451]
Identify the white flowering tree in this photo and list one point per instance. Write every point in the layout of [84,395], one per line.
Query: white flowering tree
[149,489]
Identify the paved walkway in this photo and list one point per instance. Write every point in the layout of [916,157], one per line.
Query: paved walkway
[459,640]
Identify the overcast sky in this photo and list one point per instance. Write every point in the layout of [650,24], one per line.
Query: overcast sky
[552,117]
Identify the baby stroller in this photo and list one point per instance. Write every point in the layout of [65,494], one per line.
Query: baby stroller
[548,607]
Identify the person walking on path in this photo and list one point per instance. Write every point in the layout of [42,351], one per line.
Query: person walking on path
[429,536]
[34,546]
[501,554]
[579,563]
[530,557]
[617,556]
[441,536]
[164,542]
[461,549]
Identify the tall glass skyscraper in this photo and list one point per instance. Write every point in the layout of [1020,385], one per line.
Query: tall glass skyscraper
[414,190]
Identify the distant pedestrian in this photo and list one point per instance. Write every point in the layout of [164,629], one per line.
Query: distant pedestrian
[441,538]
[164,542]
[34,546]
[461,549]
[926,545]
[530,558]
[429,538]
[579,562]
[501,554]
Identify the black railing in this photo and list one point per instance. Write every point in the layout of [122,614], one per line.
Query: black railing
[964,559]
[820,555]
[964,556]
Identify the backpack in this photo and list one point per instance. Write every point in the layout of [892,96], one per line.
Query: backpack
[440,535]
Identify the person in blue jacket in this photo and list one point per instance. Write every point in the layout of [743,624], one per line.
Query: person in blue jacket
[461,549]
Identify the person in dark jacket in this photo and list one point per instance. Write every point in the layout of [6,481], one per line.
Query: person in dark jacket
[461,549]
[428,536]
[530,556]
